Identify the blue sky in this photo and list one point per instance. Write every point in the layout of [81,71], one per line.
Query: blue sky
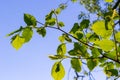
[31,62]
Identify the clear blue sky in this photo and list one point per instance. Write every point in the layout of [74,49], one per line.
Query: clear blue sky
[31,62]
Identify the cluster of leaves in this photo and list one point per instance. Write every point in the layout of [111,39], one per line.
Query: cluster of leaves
[94,43]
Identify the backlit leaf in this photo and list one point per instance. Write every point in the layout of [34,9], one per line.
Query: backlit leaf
[74,1]
[61,50]
[27,34]
[75,28]
[61,24]
[117,35]
[41,31]
[84,24]
[51,22]
[58,71]
[99,28]
[92,63]
[58,10]
[108,0]
[17,42]
[61,39]
[76,64]
[30,20]
[105,44]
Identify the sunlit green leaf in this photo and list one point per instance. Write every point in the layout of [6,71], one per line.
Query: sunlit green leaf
[61,24]
[78,34]
[117,35]
[17,42]
[61,38]
[74,1]
[108,0]
[62,6]
[56,57]
[41,31]
[61,50]
[108,66]
[76,64]
[51,22]
[114,72]
[49,16]
[99,28]
[58,10]
[27,34]
[105,44]
[73,53]
[92,63]
[95,52]
[30,20]
[75,28]
[84,24]
[67,38]
[58,71]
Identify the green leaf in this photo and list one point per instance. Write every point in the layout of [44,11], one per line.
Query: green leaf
[76,64]
[117,36]
[51,22]
[58,10]
[73,53]
[41,31]
[78,34]
[61,24]
[112,72]
[61,50]
[67,38]
[58,71]
[62,6]
[30,20]
[75,28]
[56,57]
[74,1]
[105,44]
[84,24]
[49,16]
[95,52]
[108,66]
[108,0]
[99,28]
[61,39]
[92,63]
[17,42]
[27,34]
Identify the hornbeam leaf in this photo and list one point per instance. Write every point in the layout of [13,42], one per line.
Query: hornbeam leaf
[17,42]
[41,31]
[105,44]
[108,0]
[27,34]
[99,28]
[61,50]
[76,64]
[58,71]
[30,20]
[92,63]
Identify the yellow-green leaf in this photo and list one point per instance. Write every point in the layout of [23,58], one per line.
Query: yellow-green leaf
[105,44]
[76,64]
[99,28]
[61,50]
[18,42]
[58,71]
[30,20]
[92,63]
[27,34]
[117,35]
[108,0]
